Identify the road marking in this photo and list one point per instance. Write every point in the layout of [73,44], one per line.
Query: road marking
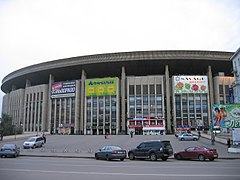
[120,174]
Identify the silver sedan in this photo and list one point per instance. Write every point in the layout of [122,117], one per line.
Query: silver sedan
[188,137]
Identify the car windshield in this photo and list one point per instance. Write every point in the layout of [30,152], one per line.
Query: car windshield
[204,148]
[8,146]
[31,139]
[167,145]
[115,148]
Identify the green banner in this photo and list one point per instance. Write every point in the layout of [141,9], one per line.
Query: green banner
[101,87]
[226,115]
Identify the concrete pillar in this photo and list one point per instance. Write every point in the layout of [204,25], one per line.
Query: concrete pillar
[211,93]
[123,104]
[168,107]
[83,78]
[28,83]
[77,108]
[51,80]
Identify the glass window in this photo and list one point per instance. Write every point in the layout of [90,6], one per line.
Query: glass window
[138,89]
[145,89]
[226,89]
[131,89]
[145,100]
[159,88]
[220,89]
[152,90]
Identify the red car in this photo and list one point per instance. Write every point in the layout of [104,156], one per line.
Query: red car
[197,152]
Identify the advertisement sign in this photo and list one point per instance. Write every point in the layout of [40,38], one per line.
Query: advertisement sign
[63,89]
[190,84]
[101,87]
[226,115]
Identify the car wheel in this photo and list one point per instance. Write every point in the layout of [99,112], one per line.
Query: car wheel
[194,139]
[107,158]
[201,157]
[96,157]
[211,159]
[178,157]
[182,139]
[153,157]
[122,159]
[131,156]
[34,146]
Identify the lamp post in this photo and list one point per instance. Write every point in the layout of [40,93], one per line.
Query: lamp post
[212,133]
[15,137]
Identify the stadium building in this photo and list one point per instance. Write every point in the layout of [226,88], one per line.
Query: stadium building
[147,92]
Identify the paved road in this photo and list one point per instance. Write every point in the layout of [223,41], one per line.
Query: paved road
[85,146]
[28,168]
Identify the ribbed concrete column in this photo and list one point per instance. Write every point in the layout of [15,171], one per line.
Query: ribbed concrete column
[45,111]
[51,80]
[123,107]
[83,78]
[210,95]
[28,83]
[168,107]
[77,108]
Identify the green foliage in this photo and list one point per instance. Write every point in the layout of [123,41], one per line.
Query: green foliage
[6,127]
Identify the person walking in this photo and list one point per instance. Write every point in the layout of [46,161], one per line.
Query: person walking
[131,134]
[229,142]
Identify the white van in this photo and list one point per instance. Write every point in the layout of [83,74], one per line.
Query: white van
[33,142]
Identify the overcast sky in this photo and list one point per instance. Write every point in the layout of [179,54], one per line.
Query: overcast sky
[35,31]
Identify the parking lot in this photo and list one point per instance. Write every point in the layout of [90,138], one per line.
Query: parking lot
[86,145]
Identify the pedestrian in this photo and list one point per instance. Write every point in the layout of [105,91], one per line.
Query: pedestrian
[44,138]
[106,135]
[228,142]
[199,134]
[131,133]
[1,136]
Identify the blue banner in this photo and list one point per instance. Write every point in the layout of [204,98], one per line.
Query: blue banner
[63,89]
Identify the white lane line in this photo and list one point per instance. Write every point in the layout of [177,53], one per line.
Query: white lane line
[121,174]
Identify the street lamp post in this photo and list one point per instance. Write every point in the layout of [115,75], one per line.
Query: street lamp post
[212,133]
[15,137]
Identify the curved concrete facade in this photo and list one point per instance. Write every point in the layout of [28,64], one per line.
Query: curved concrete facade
[98,114]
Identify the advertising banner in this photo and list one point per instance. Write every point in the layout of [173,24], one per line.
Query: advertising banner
[190,84]
[226,115]
[101,87]
[63,89]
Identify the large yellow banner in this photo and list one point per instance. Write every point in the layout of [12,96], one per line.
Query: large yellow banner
[101,87]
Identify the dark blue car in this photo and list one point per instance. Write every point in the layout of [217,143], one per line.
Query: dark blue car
[111,152]
[9,150]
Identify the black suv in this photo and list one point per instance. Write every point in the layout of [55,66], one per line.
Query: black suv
[152,150]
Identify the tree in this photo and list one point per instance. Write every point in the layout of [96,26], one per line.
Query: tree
[6,126]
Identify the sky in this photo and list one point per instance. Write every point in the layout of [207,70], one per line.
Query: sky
[36,31]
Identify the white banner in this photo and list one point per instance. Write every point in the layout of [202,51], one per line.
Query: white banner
[190,84]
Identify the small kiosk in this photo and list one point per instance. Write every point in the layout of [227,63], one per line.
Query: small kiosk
[146,126]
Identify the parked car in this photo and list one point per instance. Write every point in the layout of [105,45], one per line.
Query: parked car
[197,152]
[111,152]
[9,150]
[178,133]
[153,150]
[33,142]
[188,137]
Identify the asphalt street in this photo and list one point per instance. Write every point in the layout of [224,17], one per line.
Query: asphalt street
[28,168]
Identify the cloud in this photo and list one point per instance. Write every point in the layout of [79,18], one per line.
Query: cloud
[36,31]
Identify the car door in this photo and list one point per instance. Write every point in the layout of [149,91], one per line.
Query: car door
[101,152]
[140,150]
[188,153]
